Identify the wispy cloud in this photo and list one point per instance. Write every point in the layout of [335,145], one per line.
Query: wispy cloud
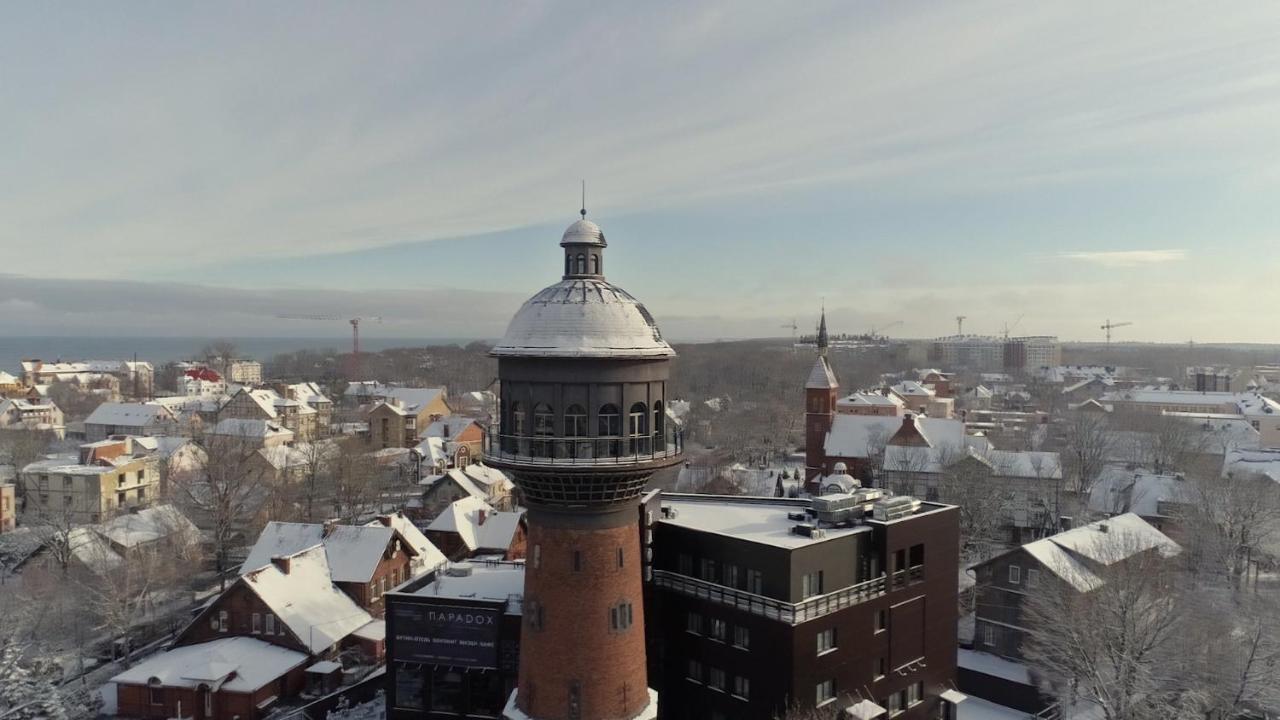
[1127,258]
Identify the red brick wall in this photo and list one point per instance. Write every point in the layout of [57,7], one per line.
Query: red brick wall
[240,603]
[576,642]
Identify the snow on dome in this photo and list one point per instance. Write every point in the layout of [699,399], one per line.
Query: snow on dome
[583,317]
[583,232]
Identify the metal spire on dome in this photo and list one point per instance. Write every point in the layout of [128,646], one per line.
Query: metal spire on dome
[822,332]
[584,200]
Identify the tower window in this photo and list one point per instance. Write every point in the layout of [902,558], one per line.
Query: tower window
[582,264]
[620,616]
[610,421]
[577,560]
[620,563]
[595,264]
[575,421]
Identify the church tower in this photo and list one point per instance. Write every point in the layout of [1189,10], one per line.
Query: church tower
[820,393]
[583,371]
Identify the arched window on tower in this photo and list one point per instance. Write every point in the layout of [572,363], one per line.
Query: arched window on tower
[595,264]
[544,426]
[609,422]
[514,442]
[638,428]
[575,426]
[582,264]
[568,264]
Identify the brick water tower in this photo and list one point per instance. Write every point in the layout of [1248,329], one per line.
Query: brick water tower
[583,425]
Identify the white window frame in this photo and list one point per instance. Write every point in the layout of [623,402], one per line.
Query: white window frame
[825,692]
[988,635]
[1015,575]
[829,635]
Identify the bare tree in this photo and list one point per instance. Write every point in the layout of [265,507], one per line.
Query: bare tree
[1089,444]
[21,447]
[1229,520]
[225,491]
[316,481]
[1238,645]
[357,486]
[1114,646]
[985,498]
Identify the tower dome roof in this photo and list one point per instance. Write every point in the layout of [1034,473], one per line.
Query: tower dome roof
[583,232]
[583,317]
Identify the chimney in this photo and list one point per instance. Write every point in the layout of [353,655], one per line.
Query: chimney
[328,526]
[385,520]
[480,516]
[282,563]
[908,420]
[1102,527]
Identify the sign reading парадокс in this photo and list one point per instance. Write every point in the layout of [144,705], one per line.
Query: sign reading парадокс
[448,635]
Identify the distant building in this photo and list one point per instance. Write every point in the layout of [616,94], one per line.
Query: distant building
[106,477]
[1209,379]
[470,527]
[244,372]
[10,384]
[1022,354]
[398,415]
[37,414]
[1159,499]
[1260,411]
[8,507]
[922,399]
[135,378]
[882,403]
[972,352]
[1080,558]
[308,418]
[201,382]
[114,418]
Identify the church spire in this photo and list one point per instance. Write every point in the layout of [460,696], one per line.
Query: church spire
[822,333]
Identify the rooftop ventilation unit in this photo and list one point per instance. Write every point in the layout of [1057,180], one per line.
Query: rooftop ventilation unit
[459,570]
[896,507]
[809,531]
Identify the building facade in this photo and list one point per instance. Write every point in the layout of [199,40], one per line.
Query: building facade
[757,605]
[105,478]
[8,507]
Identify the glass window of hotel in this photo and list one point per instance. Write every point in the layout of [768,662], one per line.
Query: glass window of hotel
[610,421]
[694,672]
[638,419]
[881,620]
[685,564]
[755,582]
[719,629]
[741,637]
[447,689]
[741,687]
[826,640]
[881,666]
[895,704]
[915,693]
[708,570]
[693,623]
[989,634]
[715,678]
[575,421]
[659,419]
[811,584]
[1015,574]
[825,692]
[731,575]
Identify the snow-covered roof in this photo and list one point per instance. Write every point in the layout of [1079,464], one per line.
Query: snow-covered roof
[852,435]
[412,399]
[355,550]
[448,428]
[755,520]
[583,232]
[283,457]
[429,556]
[911,388]
[1063,564]
[871,399]
[864,710]
[583,317]
[486,581]
[821,377]
[251,428]
[1242,461]
[129,414]
[232,664]
[1119,490]
[93,550]
[149,525]
[279,539]
[463,517]
[306,600]
[7,379]
[993,665]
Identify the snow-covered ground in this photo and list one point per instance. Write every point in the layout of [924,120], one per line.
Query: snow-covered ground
[978,709]
[375,709]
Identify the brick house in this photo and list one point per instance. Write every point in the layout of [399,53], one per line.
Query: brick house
[251,646]
[365,561]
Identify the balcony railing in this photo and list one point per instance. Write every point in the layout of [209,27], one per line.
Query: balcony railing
[780,610]
[585,451]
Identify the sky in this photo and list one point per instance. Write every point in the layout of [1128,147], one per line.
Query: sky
[177,167]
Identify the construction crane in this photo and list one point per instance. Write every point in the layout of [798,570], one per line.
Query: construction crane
[960,324]
[1109,326]
[1009,328]
[354,370]
[794,327]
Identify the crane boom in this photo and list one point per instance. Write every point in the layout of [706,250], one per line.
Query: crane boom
[354,368]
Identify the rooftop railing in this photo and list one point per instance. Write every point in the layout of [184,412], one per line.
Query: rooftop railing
[585,451]
[771,608]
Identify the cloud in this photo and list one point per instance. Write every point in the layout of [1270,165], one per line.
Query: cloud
[1127,258]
